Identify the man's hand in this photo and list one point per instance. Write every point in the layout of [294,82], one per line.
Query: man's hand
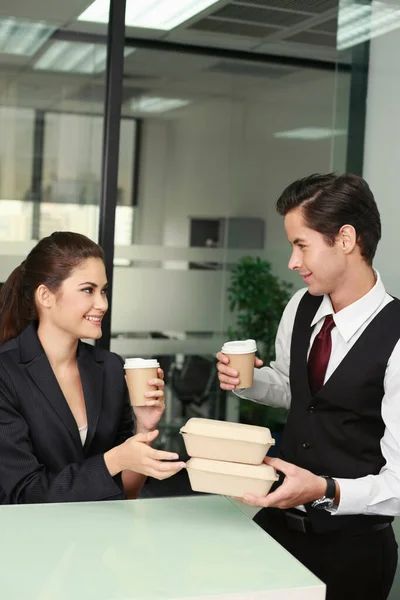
[229,378]
[299,487]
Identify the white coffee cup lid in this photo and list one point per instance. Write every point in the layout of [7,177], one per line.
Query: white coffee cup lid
[141,363]
[239,347]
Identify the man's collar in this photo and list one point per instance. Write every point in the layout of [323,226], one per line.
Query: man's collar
[350,319]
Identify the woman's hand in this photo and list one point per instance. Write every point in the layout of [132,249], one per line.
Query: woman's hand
[135,454]
[148,416]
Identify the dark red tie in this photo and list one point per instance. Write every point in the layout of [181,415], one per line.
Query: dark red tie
[319,355]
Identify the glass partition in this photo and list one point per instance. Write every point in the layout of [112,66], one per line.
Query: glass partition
[216,149]
[208,142]
[51,120]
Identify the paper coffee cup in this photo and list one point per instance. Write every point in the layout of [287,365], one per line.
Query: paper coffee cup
[241,355]
[138,372]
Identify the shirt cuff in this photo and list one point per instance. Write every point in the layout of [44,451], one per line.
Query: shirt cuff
[256,392]
[353,496]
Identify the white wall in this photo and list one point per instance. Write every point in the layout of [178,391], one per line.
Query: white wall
[149,216]
[382,149]
[381,164]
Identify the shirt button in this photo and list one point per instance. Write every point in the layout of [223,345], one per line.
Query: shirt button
[306,445]
[311,409]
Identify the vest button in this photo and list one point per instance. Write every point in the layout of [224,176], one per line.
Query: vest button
[306,445]
[311,409]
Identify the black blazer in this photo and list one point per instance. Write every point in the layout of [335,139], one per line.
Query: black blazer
[41,453]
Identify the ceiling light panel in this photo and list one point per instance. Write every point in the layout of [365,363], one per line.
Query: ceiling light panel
[309,133]
[75,57]
[359,22]
[23,38]
[149,104]
[149,14]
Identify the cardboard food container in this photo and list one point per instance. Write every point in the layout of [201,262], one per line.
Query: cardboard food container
[222,440]
[230,479]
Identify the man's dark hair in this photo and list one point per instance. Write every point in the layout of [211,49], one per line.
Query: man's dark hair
[330,201]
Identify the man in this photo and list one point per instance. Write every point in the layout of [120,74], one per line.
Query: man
[337,367]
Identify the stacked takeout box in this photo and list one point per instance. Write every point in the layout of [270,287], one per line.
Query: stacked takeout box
[227,458]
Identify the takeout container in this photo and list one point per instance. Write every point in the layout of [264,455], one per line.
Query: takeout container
[230,479]
[225,441]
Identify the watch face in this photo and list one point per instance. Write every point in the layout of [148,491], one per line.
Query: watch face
[323,503]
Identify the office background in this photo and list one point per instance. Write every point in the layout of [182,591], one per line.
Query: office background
[212,118]
[185,137]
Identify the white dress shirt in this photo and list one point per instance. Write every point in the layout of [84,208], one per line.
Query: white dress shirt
[373,494]
[83,433]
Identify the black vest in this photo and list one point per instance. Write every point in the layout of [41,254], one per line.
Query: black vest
[337,432]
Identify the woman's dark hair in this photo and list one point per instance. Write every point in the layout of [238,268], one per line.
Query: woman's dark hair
[330,201]
[50,262]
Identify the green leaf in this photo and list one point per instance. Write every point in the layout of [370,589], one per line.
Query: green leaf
[259,298]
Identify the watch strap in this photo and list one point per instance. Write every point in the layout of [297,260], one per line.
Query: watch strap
[330,487]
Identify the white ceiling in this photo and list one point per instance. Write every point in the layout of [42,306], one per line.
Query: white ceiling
[257,25]
[178,74]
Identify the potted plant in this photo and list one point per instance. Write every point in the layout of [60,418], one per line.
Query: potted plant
[258,298]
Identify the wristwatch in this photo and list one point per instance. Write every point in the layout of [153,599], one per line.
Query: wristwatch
[328,500]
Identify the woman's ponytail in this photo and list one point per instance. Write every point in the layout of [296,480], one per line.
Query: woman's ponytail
[14,310]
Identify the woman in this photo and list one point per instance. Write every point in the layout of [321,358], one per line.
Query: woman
[65,417]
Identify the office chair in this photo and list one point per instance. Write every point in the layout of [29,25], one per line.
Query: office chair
[194,385]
